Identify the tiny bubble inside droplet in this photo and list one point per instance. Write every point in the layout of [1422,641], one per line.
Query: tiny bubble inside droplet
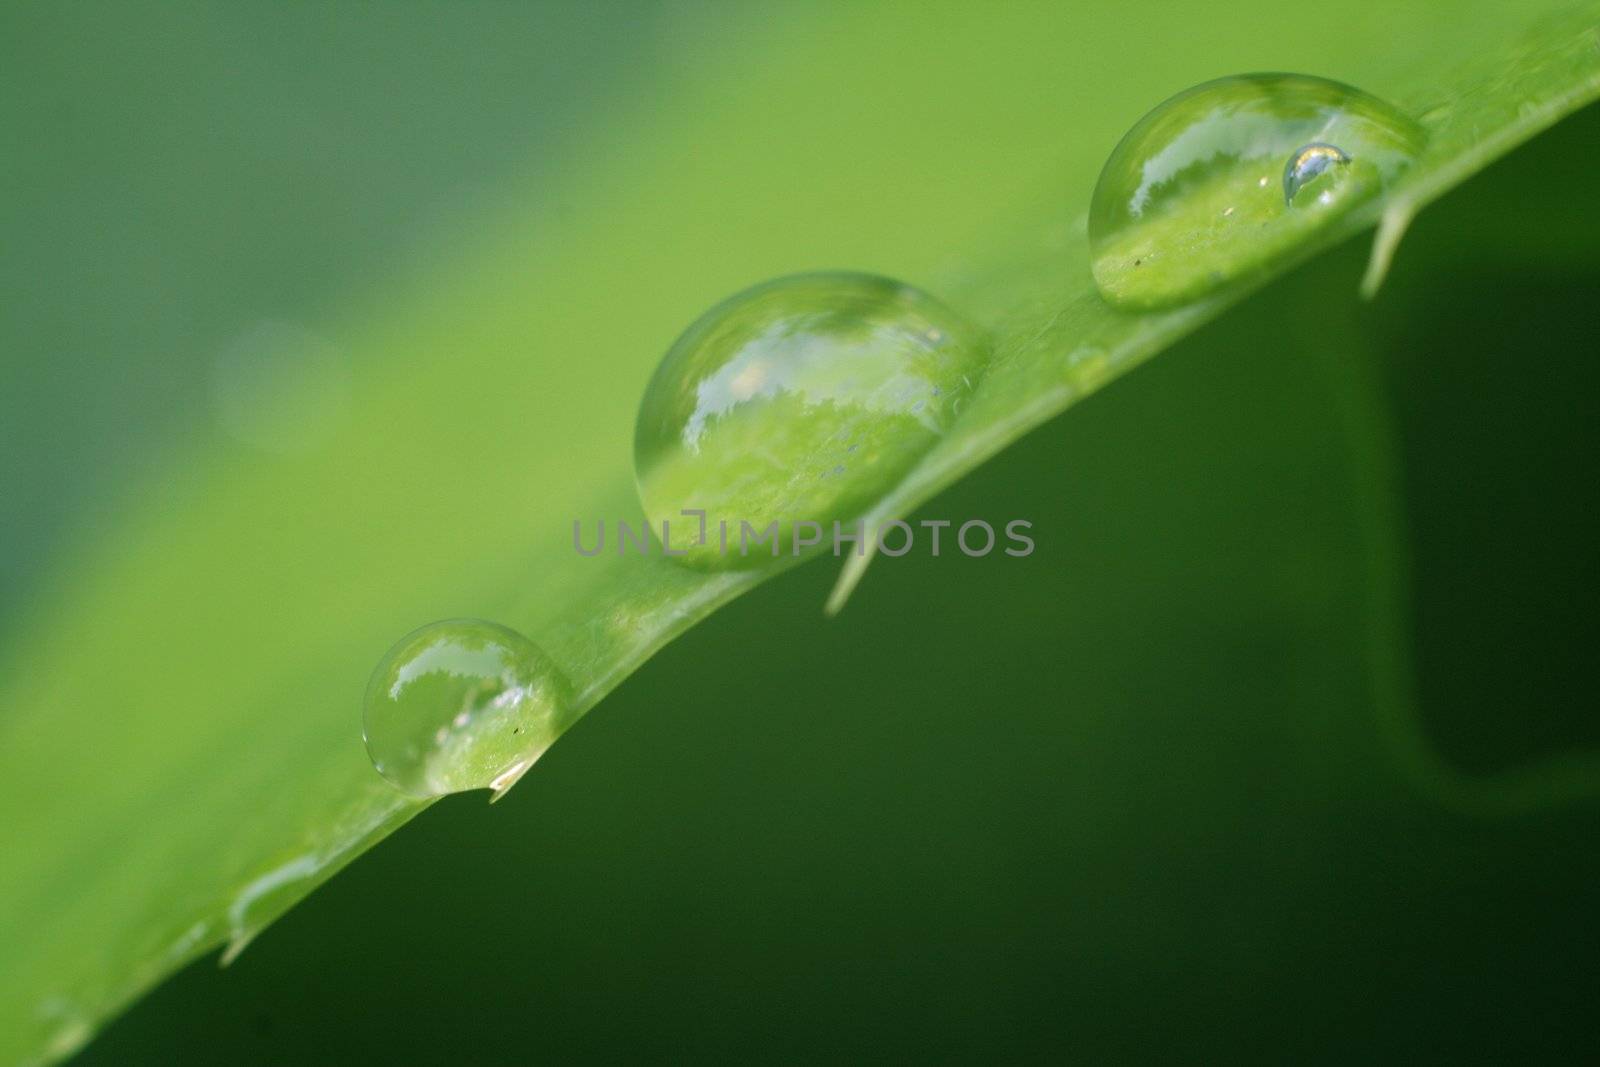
[1309,163]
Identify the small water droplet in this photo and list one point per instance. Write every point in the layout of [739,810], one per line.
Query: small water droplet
[1089,366]
[461,704]
[67,1027]
[748,415]
[263,898]
[1199,158]
[1307,165]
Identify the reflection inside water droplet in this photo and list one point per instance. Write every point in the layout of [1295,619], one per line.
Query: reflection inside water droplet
[753,410]
[461,704]
[1185,203]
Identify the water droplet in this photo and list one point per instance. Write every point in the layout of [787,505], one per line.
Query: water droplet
[753,410]
[69,1028]
[1309,164]
[263,899]
[461,704]
[1089,366]
[1193,179]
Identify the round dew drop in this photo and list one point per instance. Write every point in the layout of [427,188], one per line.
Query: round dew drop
[1308,164]
[799,401]
[461,704]
[1226,178]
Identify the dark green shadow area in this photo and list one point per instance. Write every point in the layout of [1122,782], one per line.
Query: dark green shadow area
[1489,353]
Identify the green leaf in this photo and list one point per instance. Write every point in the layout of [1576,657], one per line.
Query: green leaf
[180,748]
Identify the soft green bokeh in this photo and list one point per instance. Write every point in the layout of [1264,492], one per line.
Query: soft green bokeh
[194,615]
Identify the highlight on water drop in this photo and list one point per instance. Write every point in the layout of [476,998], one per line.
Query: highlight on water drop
[1224,179]
[794,405]
[462,704]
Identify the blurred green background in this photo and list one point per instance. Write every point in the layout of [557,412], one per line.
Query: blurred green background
[186,178]
[1136,796]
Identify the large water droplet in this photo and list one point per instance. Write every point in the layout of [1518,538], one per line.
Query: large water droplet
[798,401]
[461,704]
[1225,178]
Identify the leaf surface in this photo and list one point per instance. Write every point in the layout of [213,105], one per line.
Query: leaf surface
[181,694]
